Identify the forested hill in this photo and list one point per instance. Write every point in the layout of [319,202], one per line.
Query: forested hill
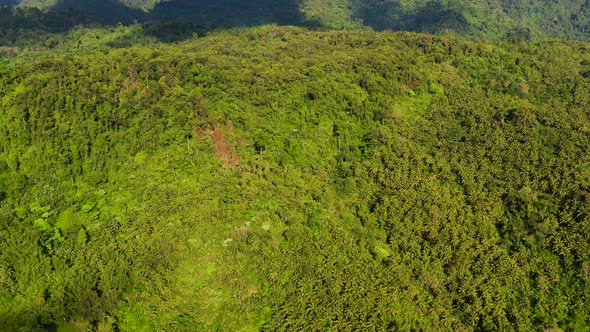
[276,178]
[492,19]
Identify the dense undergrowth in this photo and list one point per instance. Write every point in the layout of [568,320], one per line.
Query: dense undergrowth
[282,179]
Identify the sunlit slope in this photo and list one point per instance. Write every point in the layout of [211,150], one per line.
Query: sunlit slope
[282,179]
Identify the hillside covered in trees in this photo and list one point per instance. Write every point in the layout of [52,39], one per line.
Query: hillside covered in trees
[490,19]
[277,178]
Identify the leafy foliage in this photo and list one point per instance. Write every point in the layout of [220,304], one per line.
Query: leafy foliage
[277,178]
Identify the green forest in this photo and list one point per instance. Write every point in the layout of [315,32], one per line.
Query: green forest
[325,171]
[489,19]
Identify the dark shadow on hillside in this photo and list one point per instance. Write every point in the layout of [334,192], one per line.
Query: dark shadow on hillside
[100,11]
[169,21]
[27,23]
[433,17]
[214,14]
[176,20]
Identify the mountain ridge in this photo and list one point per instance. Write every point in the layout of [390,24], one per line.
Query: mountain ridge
[489,19]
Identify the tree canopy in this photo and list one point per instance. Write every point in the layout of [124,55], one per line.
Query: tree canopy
[277,178]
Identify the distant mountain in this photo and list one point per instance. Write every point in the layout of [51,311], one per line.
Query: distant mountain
[45,4]
[489,19]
